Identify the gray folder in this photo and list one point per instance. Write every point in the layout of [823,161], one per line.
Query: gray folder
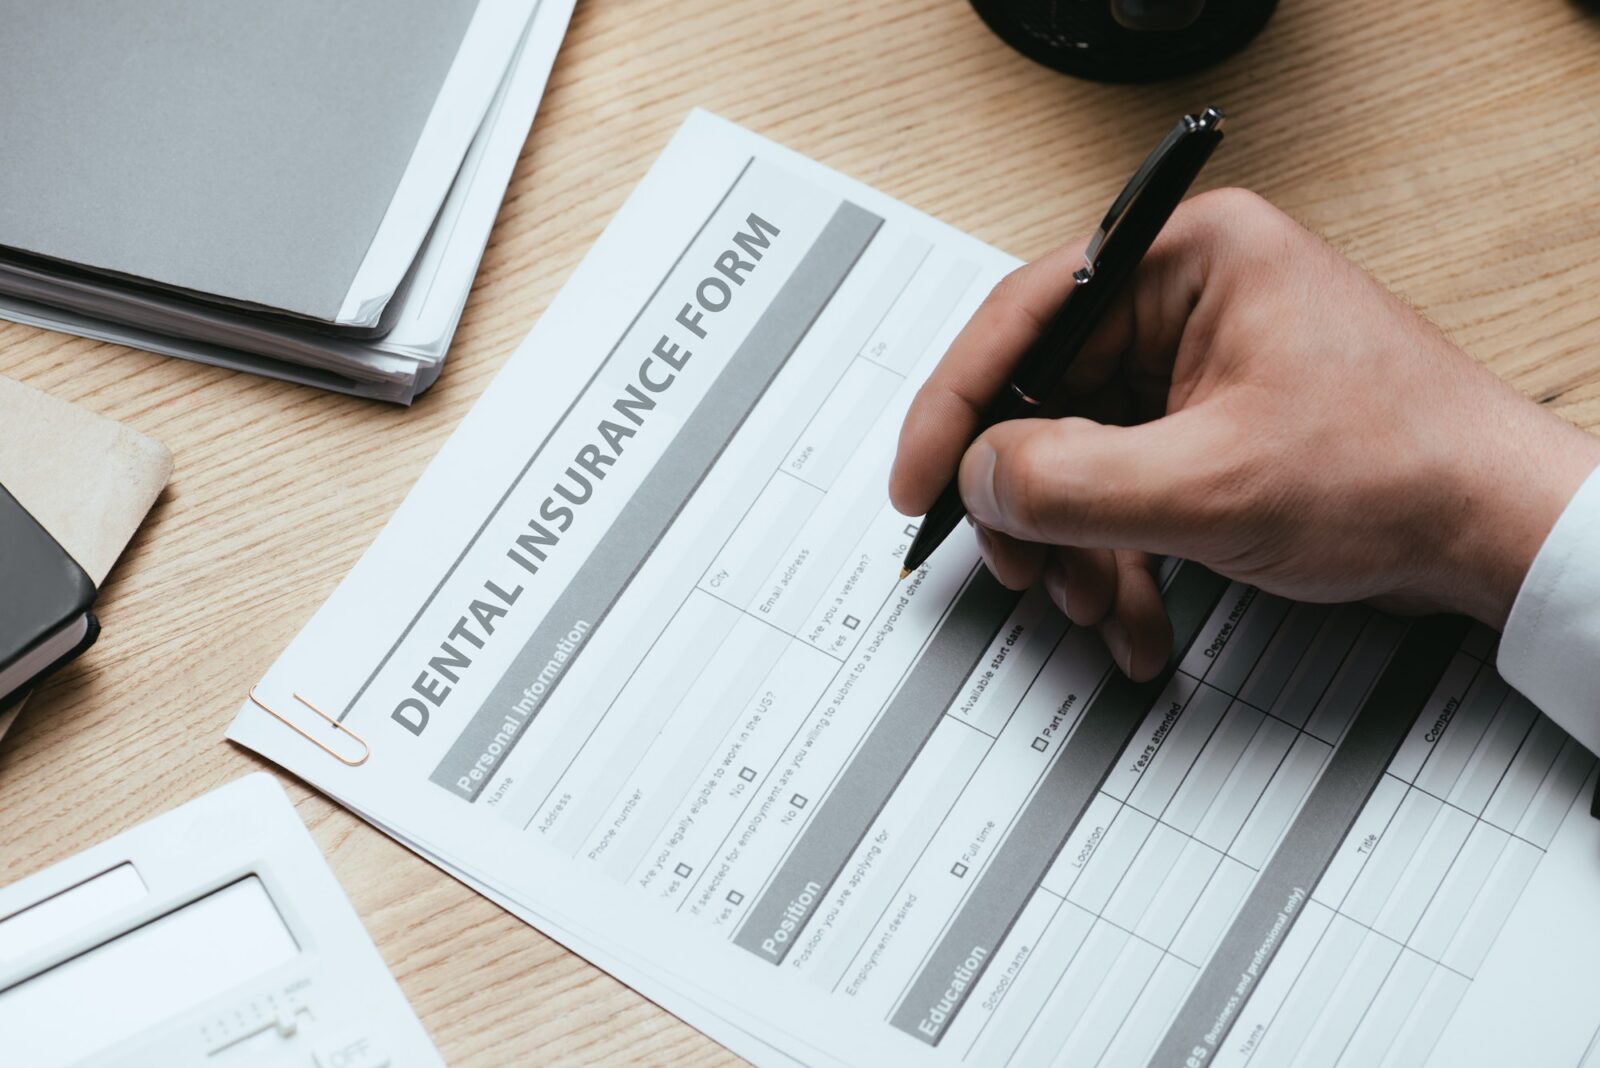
[241,151]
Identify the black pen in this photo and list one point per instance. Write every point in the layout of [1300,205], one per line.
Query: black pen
[1124,236]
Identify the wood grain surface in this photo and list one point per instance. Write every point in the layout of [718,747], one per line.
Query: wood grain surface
[1450,146]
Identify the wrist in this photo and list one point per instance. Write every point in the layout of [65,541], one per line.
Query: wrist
[1515,491]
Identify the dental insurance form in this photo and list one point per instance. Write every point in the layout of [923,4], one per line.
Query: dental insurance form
[632,659]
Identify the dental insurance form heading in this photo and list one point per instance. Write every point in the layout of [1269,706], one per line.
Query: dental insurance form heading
[632,659]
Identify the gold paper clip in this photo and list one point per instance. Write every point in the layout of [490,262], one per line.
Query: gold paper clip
[366,750]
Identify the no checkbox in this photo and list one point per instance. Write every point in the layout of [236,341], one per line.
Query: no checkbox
[748,774]
[911,530]
[798,801]
[958,869]
[684,871]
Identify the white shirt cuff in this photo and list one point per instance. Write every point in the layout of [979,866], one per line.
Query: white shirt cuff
[1550,650]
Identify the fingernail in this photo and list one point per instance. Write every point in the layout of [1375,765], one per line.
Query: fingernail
[1119,643]
[977,487]
[1055,582]
[986,549]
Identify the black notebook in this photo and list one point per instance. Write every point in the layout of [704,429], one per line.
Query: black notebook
[45,599]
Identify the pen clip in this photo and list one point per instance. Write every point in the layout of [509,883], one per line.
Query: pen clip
[1208,120]
[366,750]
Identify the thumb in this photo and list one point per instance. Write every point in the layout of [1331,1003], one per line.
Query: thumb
[1155,487]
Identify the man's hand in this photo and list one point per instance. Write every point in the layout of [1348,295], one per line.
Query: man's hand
[1253,402]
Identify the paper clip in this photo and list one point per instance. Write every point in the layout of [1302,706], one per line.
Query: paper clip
[366,750]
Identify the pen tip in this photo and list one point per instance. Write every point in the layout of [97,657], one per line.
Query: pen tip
[905,573]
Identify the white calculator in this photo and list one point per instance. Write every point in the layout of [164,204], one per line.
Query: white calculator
[212,935]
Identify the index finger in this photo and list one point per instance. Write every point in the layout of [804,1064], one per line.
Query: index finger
[946,412]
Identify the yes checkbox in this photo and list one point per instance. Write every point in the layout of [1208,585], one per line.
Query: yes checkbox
[851,622]
[684,871]
[734,897]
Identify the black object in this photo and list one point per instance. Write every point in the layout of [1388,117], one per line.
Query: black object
[45,599]
[1115,249]
[1126,40]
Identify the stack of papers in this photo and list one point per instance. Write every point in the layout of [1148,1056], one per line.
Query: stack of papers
[299,191]
[633,660]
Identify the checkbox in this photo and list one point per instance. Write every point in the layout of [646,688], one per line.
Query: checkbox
[798,801]
[958,869]
[684,871]
[911,530]
[734,897]
[748,774]
[1040,744]
[851,622]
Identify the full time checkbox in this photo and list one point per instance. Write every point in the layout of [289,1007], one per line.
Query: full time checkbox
[1040,744]
[958,869]
[851,622]
[748,774]
[684,871]
[798,801]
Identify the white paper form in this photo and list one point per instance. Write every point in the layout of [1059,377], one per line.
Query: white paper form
[632,658]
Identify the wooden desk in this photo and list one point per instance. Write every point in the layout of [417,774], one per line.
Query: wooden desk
[1451,146]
